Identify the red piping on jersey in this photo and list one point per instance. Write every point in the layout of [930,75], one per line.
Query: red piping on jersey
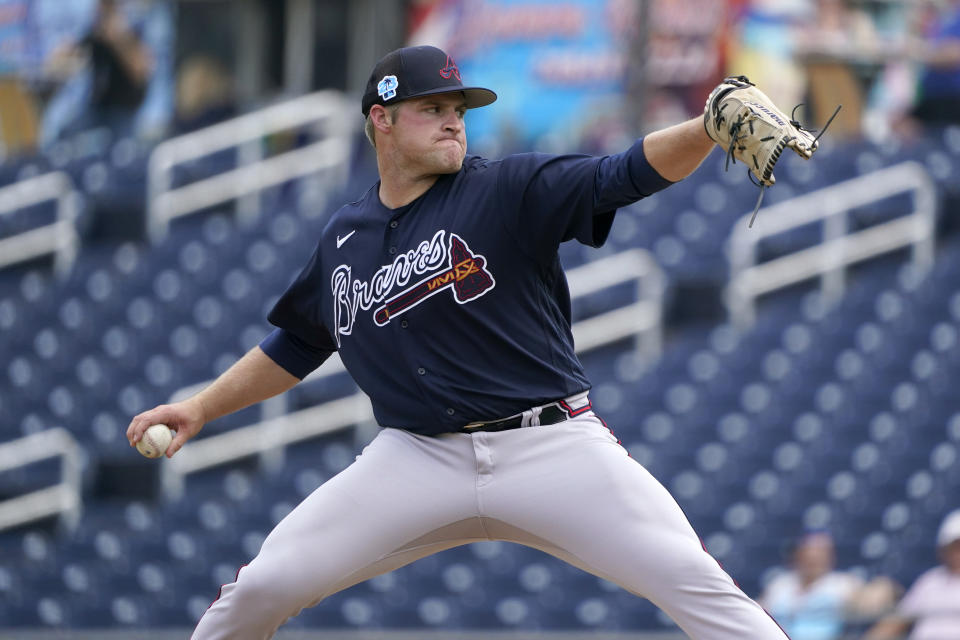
[604,423]
[220,590]
[573,413]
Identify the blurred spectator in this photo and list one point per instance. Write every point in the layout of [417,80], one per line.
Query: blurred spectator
[205,94]
[813,601]
[838,28]
[119,66]
[762,46]
[18,117]
[938,102]
[683,57]
[840,51]
[930,610]
[893,90]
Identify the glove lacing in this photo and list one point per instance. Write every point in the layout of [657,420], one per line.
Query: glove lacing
[736,136]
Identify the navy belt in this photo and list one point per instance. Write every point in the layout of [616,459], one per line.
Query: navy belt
[549,414]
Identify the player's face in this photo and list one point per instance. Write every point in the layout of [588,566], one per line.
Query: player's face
[429,132]
[951,556]
[814,557]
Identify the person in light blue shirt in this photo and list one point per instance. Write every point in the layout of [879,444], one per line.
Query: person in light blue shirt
[812,600]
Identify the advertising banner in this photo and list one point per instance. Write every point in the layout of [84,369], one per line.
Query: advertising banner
[557,66]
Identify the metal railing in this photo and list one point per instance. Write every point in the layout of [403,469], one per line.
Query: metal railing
[839,247]
[643,318]
[326,112]
[276,430]
[328,115]
[62,499]
[59,237]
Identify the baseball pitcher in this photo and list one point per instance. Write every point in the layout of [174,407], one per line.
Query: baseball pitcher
[442,291]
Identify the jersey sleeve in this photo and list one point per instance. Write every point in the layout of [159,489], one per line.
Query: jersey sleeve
[566,197]
[292,353]
[298,312]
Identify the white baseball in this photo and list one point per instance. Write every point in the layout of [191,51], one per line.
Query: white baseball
[155,441]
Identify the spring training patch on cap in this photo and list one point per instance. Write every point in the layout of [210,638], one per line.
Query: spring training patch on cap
[387,88]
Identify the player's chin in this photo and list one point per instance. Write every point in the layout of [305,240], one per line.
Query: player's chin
[451,160]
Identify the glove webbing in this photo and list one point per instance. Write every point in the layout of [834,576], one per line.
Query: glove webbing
[776,153]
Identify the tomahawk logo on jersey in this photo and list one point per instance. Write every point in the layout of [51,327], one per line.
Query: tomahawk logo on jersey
[465,272]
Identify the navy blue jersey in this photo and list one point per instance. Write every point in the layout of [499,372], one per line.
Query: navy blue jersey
[454,308]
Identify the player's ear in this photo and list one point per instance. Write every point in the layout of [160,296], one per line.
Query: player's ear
[381,118]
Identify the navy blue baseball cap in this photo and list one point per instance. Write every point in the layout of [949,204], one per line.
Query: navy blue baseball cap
[412,72]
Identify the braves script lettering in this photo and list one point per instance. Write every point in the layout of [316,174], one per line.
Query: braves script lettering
[464,271]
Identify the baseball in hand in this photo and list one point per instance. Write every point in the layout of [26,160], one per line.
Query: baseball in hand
[155,441]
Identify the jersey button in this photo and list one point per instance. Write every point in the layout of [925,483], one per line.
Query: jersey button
[404,324]
[450,411]
[394,224]
[393,250]
[422,371]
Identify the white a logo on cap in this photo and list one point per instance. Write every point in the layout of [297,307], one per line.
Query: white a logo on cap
[387,88]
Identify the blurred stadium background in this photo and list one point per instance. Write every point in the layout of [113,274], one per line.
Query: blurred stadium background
[799,375]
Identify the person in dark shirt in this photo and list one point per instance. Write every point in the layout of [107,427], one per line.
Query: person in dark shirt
[938,100]
[443,294]
[120,65]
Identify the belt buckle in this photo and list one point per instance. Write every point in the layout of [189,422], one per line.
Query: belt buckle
[473,425]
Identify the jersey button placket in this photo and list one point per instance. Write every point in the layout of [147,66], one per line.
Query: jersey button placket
[421,371]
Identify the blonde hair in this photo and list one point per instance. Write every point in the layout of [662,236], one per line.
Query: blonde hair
[368,126]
